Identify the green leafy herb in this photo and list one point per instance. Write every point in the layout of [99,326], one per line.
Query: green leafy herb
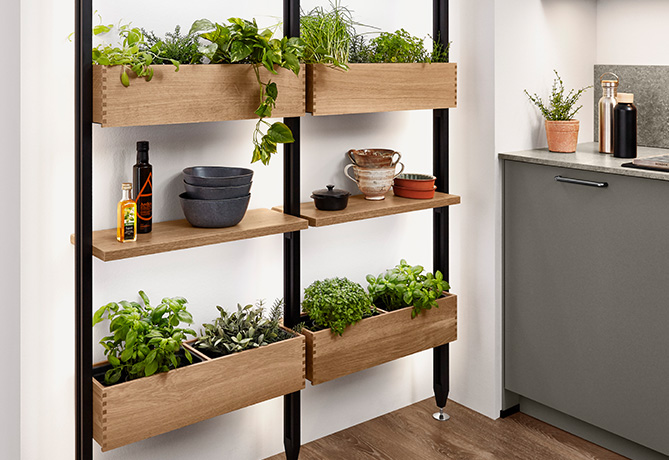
[143,340]
[405,286]
[399,46]
[242,330]
[242,42]
[327,35]
[175,46]
[560,106]
[336,303]
[133,54]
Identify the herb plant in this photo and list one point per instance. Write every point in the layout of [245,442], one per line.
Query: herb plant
[327,35]
[336,303]
[406,285]
[144,340]
[399,46]
[560,105]
[175,46]
[242,330]
[133,53]
[242,42]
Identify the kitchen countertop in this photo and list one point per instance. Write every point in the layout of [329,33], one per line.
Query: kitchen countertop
[588,158]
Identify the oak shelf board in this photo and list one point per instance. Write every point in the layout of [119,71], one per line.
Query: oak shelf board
[179,234]
[359,209]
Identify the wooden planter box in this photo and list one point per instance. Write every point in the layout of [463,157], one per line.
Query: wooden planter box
[380,88]
[196,93]
[146,407]
[379,339]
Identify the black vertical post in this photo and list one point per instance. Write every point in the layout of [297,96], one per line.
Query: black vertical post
[291,243]
[440,219]
[83,229]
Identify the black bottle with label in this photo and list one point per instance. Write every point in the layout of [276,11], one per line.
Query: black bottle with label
[624,127]
[142,179]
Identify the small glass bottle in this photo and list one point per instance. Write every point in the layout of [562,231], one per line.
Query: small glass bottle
[126,216]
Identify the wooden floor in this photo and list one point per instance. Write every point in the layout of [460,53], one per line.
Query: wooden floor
[412,434]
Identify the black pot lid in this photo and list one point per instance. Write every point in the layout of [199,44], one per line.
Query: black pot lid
[330,191]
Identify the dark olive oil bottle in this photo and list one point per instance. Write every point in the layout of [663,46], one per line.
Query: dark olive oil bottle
[142,175]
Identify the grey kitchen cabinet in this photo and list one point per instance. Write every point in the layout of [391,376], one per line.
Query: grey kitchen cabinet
[586,297]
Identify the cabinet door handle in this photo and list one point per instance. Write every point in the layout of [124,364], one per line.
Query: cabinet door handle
[589,183]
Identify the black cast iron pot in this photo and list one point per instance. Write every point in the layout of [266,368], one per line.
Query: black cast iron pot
[330,199]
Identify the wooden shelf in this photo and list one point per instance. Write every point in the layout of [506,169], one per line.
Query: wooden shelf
[367,88]
[358,208]
[196,93]
[179,234]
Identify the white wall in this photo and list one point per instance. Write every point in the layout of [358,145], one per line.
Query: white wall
[10,235]
[632,33]
[247,270]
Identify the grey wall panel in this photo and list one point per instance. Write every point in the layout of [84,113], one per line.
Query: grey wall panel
[649,85]
[587,298]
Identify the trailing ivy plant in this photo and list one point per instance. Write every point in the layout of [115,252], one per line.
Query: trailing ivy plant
[144,340]
[133,53]
[175,46]
[405,286]
[242,42]
[561,106]
[336,303]
[244,329]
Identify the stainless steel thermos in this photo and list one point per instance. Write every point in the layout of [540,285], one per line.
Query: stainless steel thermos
[606,105]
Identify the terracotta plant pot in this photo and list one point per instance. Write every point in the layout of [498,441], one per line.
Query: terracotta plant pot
[562,136]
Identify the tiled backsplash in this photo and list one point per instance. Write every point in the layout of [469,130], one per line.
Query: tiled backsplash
[650,86]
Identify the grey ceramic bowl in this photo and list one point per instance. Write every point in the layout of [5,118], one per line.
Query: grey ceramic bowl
[199,192]
[217,176]
[214,213]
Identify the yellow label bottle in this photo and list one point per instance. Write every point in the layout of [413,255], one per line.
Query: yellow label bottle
[126,216]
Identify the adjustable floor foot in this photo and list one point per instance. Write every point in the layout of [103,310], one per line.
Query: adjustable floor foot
[441,415]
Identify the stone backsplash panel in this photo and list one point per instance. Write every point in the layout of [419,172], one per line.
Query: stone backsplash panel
[650,86]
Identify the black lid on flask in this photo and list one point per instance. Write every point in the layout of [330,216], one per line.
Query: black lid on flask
[142,151]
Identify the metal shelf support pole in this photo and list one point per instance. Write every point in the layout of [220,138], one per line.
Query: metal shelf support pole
[83,229]
[291,244]
[440,219]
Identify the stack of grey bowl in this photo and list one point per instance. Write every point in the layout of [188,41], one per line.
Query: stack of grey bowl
[216,196]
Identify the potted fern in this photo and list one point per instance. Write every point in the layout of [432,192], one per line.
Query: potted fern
[561,126]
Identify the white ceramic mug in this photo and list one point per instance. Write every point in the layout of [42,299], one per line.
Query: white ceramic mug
[374,183]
